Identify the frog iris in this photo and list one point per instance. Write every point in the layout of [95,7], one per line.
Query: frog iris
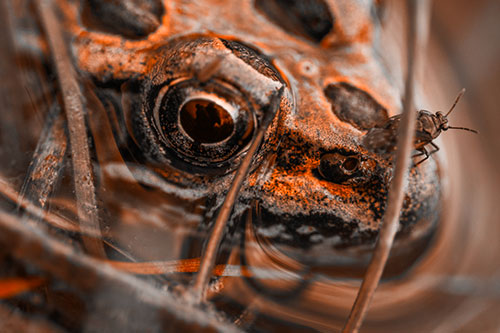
[204,123]
[199,104]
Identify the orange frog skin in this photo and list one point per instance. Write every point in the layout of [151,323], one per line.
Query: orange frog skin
[185,91]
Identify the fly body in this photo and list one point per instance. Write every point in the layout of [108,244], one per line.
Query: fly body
[382,138]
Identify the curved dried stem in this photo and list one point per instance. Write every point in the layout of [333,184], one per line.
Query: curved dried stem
[390,221]
[192,266]
[38,213]
[208,259]
[103,286]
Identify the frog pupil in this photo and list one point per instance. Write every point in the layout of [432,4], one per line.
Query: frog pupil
[205,121]
[350,164]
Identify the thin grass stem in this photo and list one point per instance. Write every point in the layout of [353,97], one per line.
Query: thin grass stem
[390,220]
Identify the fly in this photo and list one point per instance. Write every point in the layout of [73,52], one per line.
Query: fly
[382,138]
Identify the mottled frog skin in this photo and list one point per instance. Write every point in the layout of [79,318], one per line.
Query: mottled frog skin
[315,190]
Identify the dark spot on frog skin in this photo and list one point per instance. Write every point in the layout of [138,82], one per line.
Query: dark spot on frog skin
[355,106]
[325,225]
[129,18]
[310,19]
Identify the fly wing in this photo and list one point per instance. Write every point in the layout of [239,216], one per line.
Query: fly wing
[382,140]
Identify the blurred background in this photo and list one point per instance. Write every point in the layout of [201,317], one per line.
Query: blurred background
[469,34]
[466,37]
[457,286]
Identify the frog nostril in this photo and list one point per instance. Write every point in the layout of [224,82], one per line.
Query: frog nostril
[338,168]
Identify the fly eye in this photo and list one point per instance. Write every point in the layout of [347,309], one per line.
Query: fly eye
[204,124]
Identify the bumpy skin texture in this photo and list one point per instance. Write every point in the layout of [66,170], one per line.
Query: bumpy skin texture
[338,86]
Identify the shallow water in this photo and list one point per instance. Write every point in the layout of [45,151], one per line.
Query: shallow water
[154,222]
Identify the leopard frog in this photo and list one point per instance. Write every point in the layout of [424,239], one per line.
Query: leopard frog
[185,90]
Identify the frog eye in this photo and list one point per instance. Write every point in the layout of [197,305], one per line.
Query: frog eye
[198,106]
[203,123]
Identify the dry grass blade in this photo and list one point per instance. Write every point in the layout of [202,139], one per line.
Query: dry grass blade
[71,92]
[120,301]
[47,161]
[36,213]
[10,287]
[158,267]
[208,259]
[8,192]
[390,221]
[192,266]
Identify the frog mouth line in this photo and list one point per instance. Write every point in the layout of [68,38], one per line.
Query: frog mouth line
[305,231]
[334,246]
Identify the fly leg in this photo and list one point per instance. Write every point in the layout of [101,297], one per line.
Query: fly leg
[421,151]
[424,151]
[436,148]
